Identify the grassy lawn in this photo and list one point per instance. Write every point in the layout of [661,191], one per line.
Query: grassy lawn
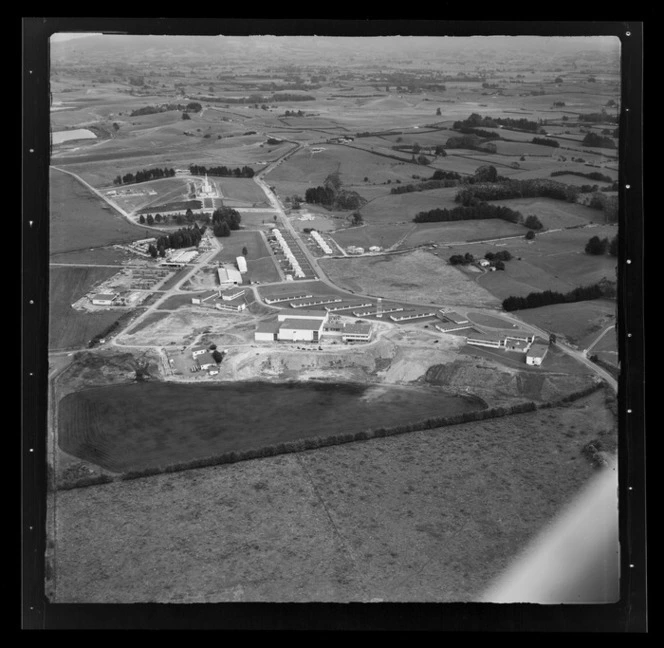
[461,231]
[69,328]
[242,190]
[78,219]
[553,213]
[383,235]
[236,242]
[429,516]
[97,256]
[401,208]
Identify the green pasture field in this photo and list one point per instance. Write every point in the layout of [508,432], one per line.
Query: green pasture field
[580,323]
[490,320]
[315,288]
[426,521]
[79,219]
[257,220]
[352,164]
[383,235]
[413,277]
[263,269]
[69,328]
[401,208]
[553,261]
[553,213]
[460,231]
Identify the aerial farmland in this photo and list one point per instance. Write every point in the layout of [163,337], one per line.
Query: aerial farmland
[293,294]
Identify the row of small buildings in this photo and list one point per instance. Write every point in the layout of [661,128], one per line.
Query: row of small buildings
[228,299]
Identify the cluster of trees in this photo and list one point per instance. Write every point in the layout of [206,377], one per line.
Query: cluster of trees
[151,110]
[462,259]
[599,117]
[545,141]
[475,212]
[480,132]
[294,113]
[476,120]
[530,188]
[224,220]
[472,142]
[144,175]
[258,99]
[598,246]
[593,139]
[439,180]
[497,259]
[223,171]
[547,297]
[185,115]
[331,194]
[184,237]
[593,175]
[608,204]
[377,133]
[533,223]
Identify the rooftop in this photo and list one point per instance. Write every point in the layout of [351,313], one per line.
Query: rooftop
[268,326]
[361,329]
[302,324]
[538,349]
[304,312]
[104,296]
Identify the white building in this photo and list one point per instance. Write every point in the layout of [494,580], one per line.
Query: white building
[229,275]
[104,299]
[536,354]
[232,293]
[305,330]
[206,361]
[301,313]
[241,264]
[267,331]
[206,296]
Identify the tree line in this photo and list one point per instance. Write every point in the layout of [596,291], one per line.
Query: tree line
[593,175]
[475,120]
[331,194]
[599,246]
[144,175]
[548,297]
[479,211]
[184,237]
[151,110]
[222,171]
[545,141]
[601,141]
[504,189]
[439,180]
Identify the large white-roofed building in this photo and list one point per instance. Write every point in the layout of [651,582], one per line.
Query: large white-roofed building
[229,275]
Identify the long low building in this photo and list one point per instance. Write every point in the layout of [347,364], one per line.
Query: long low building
[536,354]
[104,299]
[305,330]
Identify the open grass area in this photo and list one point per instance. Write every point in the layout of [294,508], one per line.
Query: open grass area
[242,190]
[461,231]
[375,234]
[552,261]
[69,328]
[428,516]
[580,323]
[415,276]
[79,219]
[400,208]
[97,256]
[554,213]
[136,426]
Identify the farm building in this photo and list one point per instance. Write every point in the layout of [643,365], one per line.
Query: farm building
[104,299]
[241,264]
[197,351]
[518,342]
[304,330]
[230,306]
[229,275]
[483,263]
[206,296]
[536,354]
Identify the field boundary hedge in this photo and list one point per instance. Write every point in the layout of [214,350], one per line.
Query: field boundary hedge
[313,443]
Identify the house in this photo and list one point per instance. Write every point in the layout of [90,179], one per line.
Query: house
[356,332]
[104,299]
[483,263]
[206,361]
[518,342]
[536,354]
[241,264]
[197,351]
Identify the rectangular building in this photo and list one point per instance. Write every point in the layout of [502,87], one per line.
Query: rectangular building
[305,330]
[206,361]
[241,264]
[453,316]
[229,275]
[536,354]
[104,299]
[206,296]
[301,313]
[267,331]
[232,293]
[491,341]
